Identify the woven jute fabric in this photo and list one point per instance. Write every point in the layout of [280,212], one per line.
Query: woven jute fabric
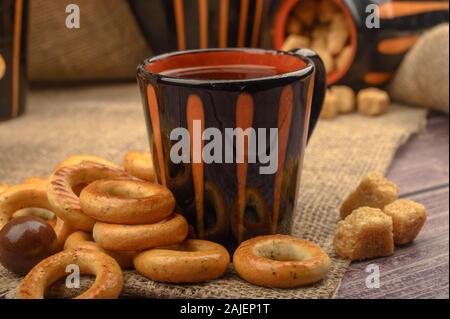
[108,121]
[423,77]
[107,46]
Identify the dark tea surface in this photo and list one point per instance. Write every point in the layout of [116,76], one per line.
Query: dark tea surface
[224,72]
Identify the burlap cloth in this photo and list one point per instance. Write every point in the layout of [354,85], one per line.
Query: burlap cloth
[423,77]
[107,46]
[108,121]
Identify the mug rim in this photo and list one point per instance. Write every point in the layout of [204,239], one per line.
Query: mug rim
[306,70]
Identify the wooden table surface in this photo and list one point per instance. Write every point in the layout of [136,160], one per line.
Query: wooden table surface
[421,269]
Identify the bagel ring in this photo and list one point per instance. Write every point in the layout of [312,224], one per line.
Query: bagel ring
[288,190]
[35,180]
[65,203]
[140,165]
[280,261]
[130,202]
[78,159]
[191,261]
[256,202]
[82,239]
[215,200]
[61,228]
[4,187]
[171,230]
[107,285]
[22,196]
[178,175]
[45,214]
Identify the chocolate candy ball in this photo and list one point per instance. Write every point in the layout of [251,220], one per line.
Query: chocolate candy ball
[24,242]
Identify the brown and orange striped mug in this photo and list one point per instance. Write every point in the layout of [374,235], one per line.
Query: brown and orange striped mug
[13,29]
[227,130]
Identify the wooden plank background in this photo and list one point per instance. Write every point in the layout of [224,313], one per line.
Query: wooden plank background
[421,269]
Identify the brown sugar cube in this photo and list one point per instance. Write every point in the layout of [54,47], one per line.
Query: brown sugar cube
[319,38]
[327,59]
[327,9]
[329,107]
[338,35]
[373,191]
[408,217]
[306,12]
[320,31]
[344,58]
[295,41]
[364,234]
[373,101]
[346,98]
[294,26]
[319,44]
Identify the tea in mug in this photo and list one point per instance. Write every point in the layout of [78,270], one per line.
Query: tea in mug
[224,72]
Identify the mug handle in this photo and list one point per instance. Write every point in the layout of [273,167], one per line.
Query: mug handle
[320,85]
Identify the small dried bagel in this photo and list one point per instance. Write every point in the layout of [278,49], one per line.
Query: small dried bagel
[4,187]
[188,262]
[244,225]
[23,196]
[107,285]
[215,200]
[140,165]
[129,202]
[65,203]
[280,261]
[171,230]
[43,213]
[78,159]
[82,239]
[35,180]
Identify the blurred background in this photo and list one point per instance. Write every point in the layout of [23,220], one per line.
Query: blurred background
[37,45]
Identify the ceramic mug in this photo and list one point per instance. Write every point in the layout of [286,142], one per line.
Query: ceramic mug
[13,29]
[376,53]
[228,129]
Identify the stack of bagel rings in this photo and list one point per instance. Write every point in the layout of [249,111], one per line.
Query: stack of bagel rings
[102,213]
[107,219]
